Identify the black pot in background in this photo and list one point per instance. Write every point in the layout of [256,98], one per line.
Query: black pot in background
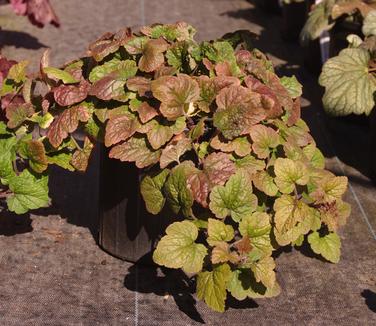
[372,120]
[294,17]
[126,231]
[312,57]
[271,6]
[339,33]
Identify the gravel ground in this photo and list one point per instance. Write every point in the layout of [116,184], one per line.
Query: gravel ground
[53,273]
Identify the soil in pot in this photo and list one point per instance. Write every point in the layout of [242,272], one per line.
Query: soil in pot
[127,231]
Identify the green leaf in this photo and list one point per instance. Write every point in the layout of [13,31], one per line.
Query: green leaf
[151,190]
[317,22]
[328,246]
[292,85]
[235,198]
[179,197]
[349,86]
[178,249]
[176,55]
[211,286]
[7,156]
[44,120]
[257,228]
[219,231]
[264,139]
[61,159]
[18,71]
[103,70]
[242,284]
[292,218]
[173,151]
[315,156]
[29,192]
[64,76]
[369,24]
[264,182]
[288,173]
[264,271]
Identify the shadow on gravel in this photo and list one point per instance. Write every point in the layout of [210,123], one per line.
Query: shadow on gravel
[146,277]
[11,223]
[370,299]
[19,40]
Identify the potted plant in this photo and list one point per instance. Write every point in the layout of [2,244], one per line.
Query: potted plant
[350,80]
[339,18]
[218,140]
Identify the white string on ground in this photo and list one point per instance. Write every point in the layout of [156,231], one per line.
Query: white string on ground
[351,188]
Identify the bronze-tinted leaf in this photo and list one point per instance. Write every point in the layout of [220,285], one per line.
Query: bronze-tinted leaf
[141,85]
[146,112]
[80,158]
[108,87]
[135,150]
[219,168]
[66,95]
[176,94]
[65,123]
[120,128]
[152,55]
[18,113]
[239,109]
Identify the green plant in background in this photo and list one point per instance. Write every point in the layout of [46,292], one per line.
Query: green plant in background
[350,78]
[327,13]
[217,133]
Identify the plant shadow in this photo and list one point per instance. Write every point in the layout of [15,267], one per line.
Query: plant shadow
[146,277]
[370,299]
[19,40]
[12,224]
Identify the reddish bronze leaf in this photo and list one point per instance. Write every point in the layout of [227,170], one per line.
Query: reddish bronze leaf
[119,128]
[66,95]
[152,56]
[80,158]
[146,112]
[141,85]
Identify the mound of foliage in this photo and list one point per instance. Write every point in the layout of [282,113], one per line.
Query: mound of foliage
[327,13]
[350,78]
[39,12]
[217,133]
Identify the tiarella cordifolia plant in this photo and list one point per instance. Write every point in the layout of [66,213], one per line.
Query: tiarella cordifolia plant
[25,120]
[39,12]
[350,78]
[220,141]
[325,14]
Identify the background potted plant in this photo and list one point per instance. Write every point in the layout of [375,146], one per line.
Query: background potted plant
[216,134]
[338,17]
[349,78]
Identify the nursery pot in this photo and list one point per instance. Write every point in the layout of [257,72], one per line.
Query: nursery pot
[312,57]
[271,6]
[294,16]
[373,145]
[126,230]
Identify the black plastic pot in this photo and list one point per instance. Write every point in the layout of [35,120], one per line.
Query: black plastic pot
[312,57]
[373,145]
[271,6]
[294,16]
[339,33]
[126,229]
